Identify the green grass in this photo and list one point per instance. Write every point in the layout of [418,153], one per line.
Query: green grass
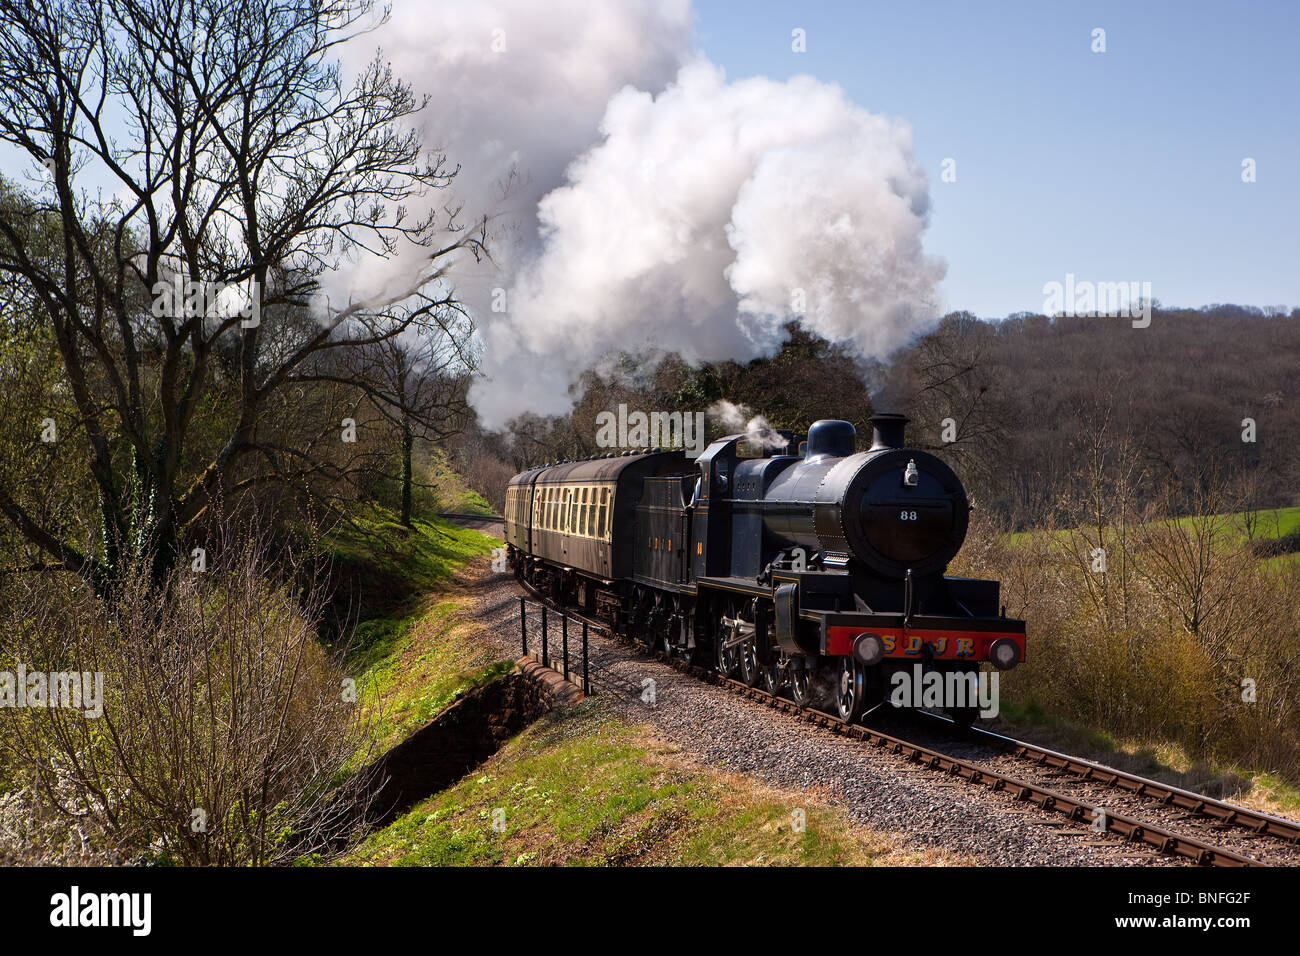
[472,503]
[421,558]
[429,662]
[384,573]
[1277,793]
[586,788]
[1272,523]
[450,490]
[410,649]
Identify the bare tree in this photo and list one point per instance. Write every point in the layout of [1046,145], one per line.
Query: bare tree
[419,387]
[239,161]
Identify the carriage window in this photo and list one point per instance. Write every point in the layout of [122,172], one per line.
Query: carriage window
[604,508]
[585,515]
[568,511]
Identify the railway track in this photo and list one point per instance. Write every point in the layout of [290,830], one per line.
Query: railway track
[1215,812]
[1198,848]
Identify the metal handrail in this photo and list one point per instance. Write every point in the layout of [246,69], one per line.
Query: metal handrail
[564,639]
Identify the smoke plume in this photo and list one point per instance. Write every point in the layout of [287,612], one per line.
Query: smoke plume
[654,204]
[516,91]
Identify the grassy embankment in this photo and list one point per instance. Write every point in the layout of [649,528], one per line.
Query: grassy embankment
[410,649]
[449,489]
[587,788]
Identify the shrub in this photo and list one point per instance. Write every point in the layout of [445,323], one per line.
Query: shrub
[224,725]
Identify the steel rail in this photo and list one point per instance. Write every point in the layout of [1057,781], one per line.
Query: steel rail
[1163,794]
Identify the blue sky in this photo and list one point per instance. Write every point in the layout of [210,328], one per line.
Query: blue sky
[1115,166]
[1123,165]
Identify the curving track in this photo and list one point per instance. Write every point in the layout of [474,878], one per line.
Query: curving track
[1143,811]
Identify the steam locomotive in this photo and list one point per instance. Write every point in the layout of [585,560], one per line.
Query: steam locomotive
[803,566]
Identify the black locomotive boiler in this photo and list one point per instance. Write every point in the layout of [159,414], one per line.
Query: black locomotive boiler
[808,566]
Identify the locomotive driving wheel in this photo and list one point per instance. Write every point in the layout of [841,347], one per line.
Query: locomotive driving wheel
[683,625]
[774,673]
[850,690]
[646,614]
[751,671]
[803,672]
[726,656]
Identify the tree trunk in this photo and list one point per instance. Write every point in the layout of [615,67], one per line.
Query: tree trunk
[408,440]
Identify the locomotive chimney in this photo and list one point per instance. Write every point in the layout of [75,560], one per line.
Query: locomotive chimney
[887,431]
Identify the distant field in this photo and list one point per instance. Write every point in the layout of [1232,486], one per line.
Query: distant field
[1272,523]
[1275,523]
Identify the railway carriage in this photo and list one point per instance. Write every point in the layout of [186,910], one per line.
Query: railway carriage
[809,566]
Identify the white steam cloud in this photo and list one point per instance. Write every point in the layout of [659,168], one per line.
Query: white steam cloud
[655,204]
[516,90]
[737,418]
